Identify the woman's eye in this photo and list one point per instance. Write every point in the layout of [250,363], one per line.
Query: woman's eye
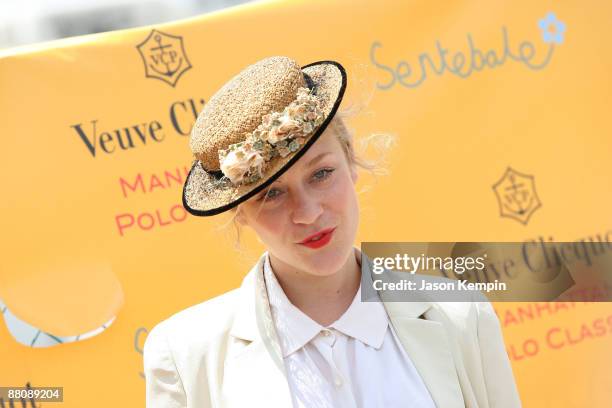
[271,194]
[322,174]
[318,176]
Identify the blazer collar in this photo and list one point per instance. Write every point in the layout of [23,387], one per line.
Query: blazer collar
[245,323]
[418,325]
[255,374]
[421,330]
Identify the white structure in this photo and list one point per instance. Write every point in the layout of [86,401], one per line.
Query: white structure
[30,21]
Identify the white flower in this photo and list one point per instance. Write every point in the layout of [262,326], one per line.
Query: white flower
[237,163]
[279,134]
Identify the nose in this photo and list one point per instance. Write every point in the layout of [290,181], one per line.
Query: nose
[306,207]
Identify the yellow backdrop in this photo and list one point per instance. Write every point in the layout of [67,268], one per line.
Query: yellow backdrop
[94,148]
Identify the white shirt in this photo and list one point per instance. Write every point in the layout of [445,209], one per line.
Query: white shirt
[355,362]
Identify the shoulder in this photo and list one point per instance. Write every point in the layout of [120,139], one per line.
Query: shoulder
[467,317]
[477,334]
[199,324]
[176,350]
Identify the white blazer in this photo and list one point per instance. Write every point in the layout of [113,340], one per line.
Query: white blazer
[225,353]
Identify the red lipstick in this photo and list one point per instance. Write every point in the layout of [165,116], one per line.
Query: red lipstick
[319,239]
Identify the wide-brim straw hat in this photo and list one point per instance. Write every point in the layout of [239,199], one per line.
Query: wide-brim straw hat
[264,119]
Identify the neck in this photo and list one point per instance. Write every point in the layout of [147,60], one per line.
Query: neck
[322,298]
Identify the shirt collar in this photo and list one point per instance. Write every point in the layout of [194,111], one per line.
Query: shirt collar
[364,321]
[293,326]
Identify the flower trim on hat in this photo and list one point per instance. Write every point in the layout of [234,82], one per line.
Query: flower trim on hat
[279,134]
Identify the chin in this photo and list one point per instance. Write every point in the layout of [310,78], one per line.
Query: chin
[326,261]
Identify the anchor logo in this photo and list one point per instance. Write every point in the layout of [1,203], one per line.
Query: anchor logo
[164,57]
[517,196]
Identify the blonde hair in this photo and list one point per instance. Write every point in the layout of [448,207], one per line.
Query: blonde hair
[380,143]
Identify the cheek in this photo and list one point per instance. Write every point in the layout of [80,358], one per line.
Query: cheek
[344,209]
[343,197]
[268,228]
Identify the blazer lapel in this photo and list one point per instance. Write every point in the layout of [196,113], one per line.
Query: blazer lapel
[425,341]
[255,375]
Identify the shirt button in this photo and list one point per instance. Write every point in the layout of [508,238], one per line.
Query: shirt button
[326,332]
[338,382]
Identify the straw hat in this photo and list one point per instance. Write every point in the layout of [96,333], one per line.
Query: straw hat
[257,126]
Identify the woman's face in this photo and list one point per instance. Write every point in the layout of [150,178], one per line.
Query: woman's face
[316,194]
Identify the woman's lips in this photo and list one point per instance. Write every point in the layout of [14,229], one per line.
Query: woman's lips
[319,239]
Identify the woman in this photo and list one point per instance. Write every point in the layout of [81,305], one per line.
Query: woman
[269,148]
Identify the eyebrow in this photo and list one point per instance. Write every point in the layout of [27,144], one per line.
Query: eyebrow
[317,159]
[311,163]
